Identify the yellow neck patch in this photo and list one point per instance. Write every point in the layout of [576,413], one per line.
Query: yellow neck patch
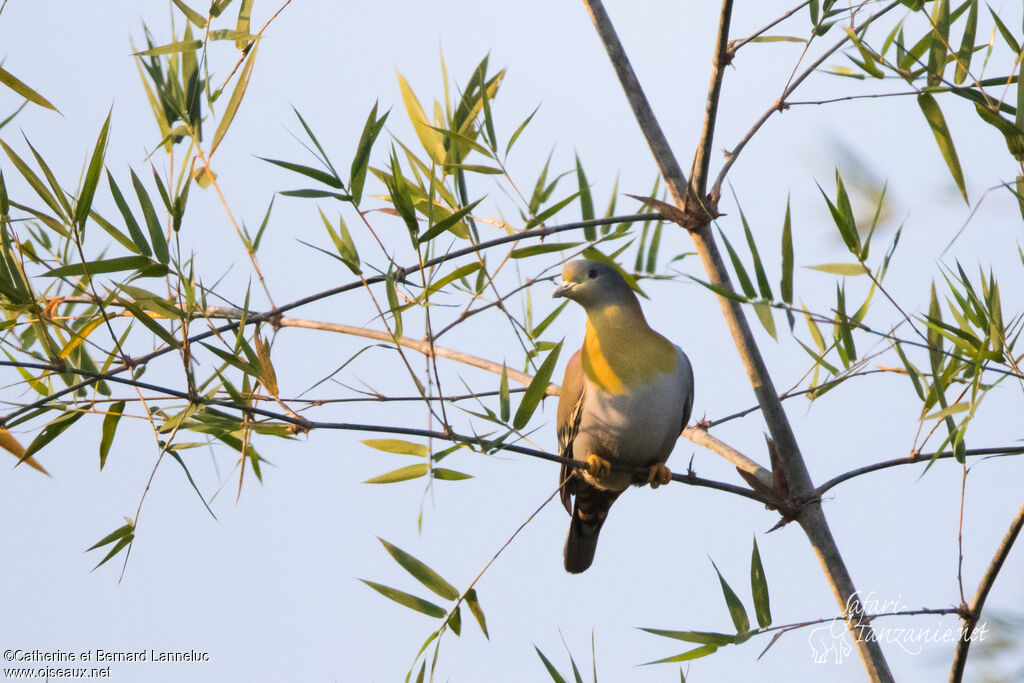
[620,350]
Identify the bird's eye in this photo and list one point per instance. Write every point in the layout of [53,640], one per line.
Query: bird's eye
[592,273]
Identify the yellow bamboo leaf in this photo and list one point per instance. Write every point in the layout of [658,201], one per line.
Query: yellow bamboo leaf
[11,445]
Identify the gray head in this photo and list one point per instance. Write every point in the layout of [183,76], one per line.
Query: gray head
[591,283]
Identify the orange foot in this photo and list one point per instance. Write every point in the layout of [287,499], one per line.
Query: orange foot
[658,475]
[599,467]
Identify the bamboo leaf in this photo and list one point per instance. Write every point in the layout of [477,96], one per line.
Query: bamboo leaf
[448,223]
[236,99]
[362,157]
[195,17]
[478,613]
[11,445]
[432,141]
[458,273]
[586,201]
[141,246]
[759,589]
[105,266]
[552,671]
[696,653]
[736,609]
[700,637]
[92,176]
[538,249]
[156,234]
[421,572]
[8,79]
[940,39]
[449,475]
[787,258]
[171,48]
[849,269]
[110,421]
[407,600]
[940,130]
[503,397]
[308,171]
[50,432]
[401,474]
[537,389]
[963,56]
[551,211]
[398,446]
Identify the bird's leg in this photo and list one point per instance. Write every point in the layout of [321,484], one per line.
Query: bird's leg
[599,467]
[658,475]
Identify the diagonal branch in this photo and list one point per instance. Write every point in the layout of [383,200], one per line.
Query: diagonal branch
[804,497]
[973,612]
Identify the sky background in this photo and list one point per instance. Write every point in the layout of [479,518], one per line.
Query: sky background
[270,588]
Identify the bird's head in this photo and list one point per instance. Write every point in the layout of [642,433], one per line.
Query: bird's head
[593,283]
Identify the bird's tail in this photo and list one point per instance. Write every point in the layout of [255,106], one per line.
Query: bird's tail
[588,514]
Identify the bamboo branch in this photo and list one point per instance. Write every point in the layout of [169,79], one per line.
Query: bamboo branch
[806,503]
[541,232]
[973,613]
[303,424]
[700,436]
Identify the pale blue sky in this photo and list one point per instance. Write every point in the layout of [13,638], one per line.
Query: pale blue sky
[270,589]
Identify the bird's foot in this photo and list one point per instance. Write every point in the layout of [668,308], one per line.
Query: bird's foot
[598,467]
[658,475]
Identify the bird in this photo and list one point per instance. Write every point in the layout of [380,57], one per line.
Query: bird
[626,396]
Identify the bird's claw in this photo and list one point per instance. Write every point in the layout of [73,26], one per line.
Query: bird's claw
[658,475]
[598,467]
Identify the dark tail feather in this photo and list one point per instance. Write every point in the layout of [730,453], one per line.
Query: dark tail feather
[588,515]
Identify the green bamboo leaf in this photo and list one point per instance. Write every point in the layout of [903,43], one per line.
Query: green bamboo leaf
[8,79]
[539,328]
[1005,32]
[937,122]
[870,62]
[458,273]
[105,266]
[764,314]
[449,475]
[156,234]
[308,171]
[50,432]
[362,157]
[432,141]
[552,671]
[394,305]
[519,131]
[242,26]
[787,258]
[940,39]
[699,637]
[115,535]
[478,613]
[448,223]
[195,17]
[110,421]
[537,390]
[52,180]
[407,600]
[398,446]
[92,176]
[736,609]
[33,180]
[762,278]
[538,249]
[421,572]
[963,56]
[151,324]
[696,653]
[720,291]
[759,589]
[741,273]
[849,269]
[141,246]
[950,410]
[401,474]
[315,194]
[586,201]
[551,211]
[236,99]
[503,398]
[171,48]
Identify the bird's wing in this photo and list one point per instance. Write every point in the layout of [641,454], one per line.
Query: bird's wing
[686,379]
[570,408]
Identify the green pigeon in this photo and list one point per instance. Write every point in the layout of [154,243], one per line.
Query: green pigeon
[626,396]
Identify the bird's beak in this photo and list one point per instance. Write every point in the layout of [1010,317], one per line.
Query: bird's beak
[564,289]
